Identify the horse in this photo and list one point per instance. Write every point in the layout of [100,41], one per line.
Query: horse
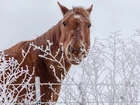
[73,32]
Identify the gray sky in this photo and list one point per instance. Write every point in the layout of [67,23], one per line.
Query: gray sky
[27,19]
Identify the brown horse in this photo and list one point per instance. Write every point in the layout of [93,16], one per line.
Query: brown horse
[73,31]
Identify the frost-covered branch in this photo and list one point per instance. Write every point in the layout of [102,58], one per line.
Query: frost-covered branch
[110,73]
[10,72]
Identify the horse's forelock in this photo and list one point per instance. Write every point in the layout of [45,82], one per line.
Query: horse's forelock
[77,11]
[80,11]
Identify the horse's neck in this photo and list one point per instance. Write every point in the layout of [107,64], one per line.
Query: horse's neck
[53,35]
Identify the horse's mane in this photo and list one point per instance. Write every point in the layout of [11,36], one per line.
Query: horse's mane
[52,34]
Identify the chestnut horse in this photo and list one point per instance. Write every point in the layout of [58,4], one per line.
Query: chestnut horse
[73,31]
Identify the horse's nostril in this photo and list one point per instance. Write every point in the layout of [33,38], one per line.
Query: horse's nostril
[81,49]
[69,49]
[83,53]
[75,50]
[80,60]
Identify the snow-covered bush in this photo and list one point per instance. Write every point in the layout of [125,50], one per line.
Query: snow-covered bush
[10,72]
[110,74]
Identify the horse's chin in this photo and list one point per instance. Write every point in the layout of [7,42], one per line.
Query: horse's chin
[74,62]
[73,59]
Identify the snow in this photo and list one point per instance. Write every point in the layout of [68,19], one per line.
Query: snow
[77,16]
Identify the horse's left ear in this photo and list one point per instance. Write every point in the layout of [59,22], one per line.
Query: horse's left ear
[89,9]
[63,8]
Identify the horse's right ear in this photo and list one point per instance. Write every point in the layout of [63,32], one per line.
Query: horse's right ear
[63,8]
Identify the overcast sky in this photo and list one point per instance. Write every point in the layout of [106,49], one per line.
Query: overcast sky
[27,19]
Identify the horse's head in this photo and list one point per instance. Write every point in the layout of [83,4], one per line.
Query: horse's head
[75,32]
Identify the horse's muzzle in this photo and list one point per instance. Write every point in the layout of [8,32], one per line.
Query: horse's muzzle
[75,54]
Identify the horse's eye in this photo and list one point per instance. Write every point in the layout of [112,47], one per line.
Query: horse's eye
[89,25]
[64,23]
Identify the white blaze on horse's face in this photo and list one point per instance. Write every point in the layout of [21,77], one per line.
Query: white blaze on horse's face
[75,33]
